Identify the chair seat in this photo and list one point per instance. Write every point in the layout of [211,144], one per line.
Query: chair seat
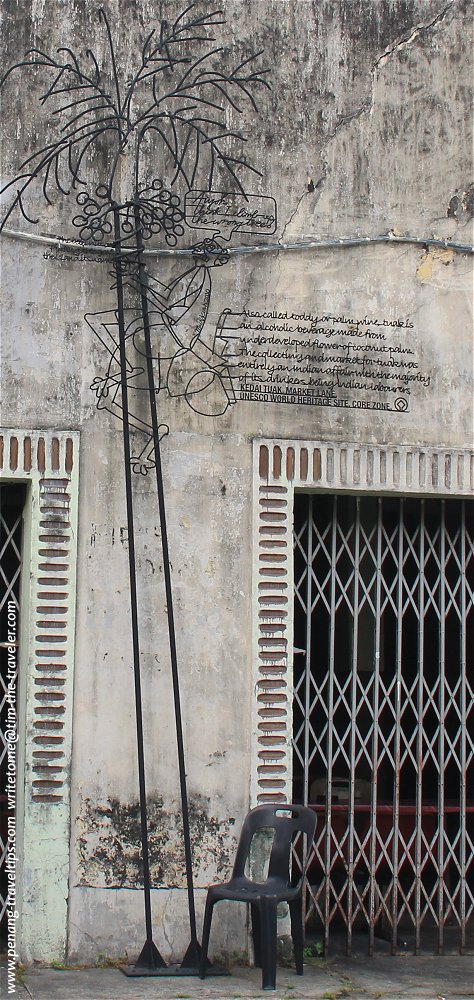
[244,890]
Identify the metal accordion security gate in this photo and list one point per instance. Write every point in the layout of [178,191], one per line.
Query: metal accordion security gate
[382,715]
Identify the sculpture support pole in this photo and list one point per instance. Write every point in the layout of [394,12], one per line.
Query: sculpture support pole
[149,956]
[191,957]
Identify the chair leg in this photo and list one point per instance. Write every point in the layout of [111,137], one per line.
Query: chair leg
[268,919]
[206,930]
[256,935]
[296,916]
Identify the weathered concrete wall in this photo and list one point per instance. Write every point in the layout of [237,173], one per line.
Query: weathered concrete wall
[366,129]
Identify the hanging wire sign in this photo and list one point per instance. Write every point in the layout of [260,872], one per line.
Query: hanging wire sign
[173,107]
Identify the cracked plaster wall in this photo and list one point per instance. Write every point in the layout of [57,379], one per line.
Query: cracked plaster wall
[370,106]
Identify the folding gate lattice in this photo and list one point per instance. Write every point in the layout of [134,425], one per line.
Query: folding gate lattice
[382,714]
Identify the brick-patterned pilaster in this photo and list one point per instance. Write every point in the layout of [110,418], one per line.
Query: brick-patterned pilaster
[48,462]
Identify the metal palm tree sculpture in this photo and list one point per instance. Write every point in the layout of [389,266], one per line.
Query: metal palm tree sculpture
[172,109]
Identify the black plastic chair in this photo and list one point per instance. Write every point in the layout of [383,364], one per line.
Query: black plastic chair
[286,821]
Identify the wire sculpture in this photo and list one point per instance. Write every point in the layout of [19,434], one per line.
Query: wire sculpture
[185,109]
[172,107]
[189,361]
[159,213]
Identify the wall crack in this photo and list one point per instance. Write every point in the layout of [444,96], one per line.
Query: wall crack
[415,32]
[367,105]
[292,216]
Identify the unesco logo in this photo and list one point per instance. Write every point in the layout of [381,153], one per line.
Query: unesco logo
[401,404]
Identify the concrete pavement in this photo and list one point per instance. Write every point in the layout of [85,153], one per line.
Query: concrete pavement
[357,978]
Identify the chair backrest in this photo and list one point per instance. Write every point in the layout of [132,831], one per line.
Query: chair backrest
[285,820]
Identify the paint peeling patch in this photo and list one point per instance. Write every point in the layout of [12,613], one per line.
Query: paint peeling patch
[424,271]
[109,845]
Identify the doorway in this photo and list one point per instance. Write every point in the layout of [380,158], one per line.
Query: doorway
[383,745]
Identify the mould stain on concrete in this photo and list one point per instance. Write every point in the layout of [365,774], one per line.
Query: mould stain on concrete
[109,846]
